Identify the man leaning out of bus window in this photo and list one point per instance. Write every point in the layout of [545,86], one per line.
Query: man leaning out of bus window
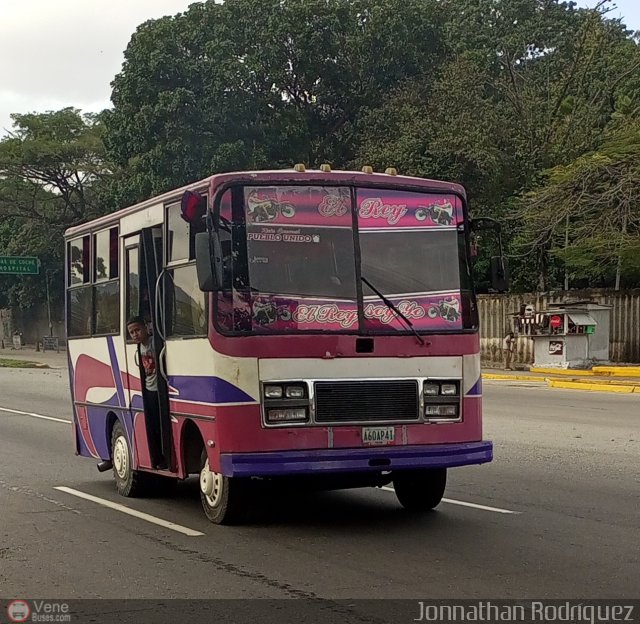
[146,359]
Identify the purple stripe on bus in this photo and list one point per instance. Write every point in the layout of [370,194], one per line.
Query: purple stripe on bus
[476,390]
[355,460]
[212,390]
[116,370]
[136,403]
[97,418]
[81,445]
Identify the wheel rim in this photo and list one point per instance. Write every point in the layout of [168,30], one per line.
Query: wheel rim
[210,485]
[121,457]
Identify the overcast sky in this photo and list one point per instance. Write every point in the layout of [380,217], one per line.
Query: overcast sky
[57,53]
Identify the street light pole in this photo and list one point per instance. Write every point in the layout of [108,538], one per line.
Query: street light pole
[46,280]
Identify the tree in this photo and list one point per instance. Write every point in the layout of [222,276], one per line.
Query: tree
[527,85]
[209,91]
[439,126]
[587,213]
[61,153]
[51,168]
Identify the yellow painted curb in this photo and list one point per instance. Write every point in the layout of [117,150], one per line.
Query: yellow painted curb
[507,377]
[617,371]
[592,387]
[605,380]
[563,371]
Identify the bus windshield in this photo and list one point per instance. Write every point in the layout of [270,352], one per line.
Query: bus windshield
[296,256]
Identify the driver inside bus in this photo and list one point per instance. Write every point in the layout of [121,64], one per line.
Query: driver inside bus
[146,359]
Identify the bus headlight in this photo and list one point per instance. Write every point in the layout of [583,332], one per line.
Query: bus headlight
[294,392]
[431,389]
[273,392]
[449,389]
[286,414]
[285,402]
[442,400]
[441,411]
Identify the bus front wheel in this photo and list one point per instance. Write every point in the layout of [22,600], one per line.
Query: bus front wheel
[223,498]
[129,482]
[420,490]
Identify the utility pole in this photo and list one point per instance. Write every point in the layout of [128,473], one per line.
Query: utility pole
[46,280]
[566,246]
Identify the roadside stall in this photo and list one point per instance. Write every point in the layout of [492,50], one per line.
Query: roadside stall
[572,335]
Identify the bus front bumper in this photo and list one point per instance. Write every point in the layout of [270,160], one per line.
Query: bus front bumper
[355,460]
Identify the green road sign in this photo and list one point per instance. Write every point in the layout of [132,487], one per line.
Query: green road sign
[16,265]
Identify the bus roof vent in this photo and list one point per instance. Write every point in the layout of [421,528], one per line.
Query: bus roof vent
[326,168]
[300,168]
[367,169]
[391,171]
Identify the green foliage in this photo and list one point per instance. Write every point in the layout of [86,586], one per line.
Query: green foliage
[209,90]
[587,213]
[11,363]
[51,169]
[532,105]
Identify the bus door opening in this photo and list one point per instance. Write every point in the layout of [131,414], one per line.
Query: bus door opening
[157,417]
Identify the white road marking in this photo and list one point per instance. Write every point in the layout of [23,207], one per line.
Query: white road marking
[131,512]
[465,504]
[12,411]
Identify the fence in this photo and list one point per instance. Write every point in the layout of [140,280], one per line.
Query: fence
[496,319]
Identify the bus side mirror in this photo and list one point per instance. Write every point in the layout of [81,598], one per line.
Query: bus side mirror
[193,206]
[499,274]
[208,261]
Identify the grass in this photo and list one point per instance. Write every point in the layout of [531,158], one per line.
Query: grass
[11,363]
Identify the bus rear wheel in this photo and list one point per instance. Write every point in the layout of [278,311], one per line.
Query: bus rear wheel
[420,490]
[223,498]
[129,482]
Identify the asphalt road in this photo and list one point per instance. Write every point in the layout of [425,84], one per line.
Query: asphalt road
[567,463]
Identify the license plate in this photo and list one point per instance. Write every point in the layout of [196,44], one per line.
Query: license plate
[378,435]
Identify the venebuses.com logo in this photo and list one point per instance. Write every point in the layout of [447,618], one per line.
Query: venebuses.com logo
[18,611]
[38,611]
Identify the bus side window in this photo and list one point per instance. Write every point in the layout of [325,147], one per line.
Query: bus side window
[180,236]
[137,302]
[186,306]
[106,289]
[80,292]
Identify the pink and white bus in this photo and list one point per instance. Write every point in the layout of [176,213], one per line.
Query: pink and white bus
[317,326]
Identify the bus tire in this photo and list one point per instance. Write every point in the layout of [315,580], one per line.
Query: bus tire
[129,482]
[223,498]
[420,490]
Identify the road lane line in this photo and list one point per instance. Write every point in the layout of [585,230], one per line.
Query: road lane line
[131,512]
[451,501]
[12,411]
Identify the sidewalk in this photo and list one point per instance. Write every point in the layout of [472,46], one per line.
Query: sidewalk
[618,379]
[50,359]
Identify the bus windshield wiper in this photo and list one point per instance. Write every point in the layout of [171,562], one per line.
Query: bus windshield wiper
[392,306]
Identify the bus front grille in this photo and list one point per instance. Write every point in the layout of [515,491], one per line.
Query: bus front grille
[359,401]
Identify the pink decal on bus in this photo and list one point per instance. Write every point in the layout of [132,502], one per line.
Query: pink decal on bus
[405,209]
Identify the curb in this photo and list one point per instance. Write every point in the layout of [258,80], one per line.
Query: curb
[593,387]
[586,384]
[507,377]
[617,371]
[596,371]
[564,371]
[602,380]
